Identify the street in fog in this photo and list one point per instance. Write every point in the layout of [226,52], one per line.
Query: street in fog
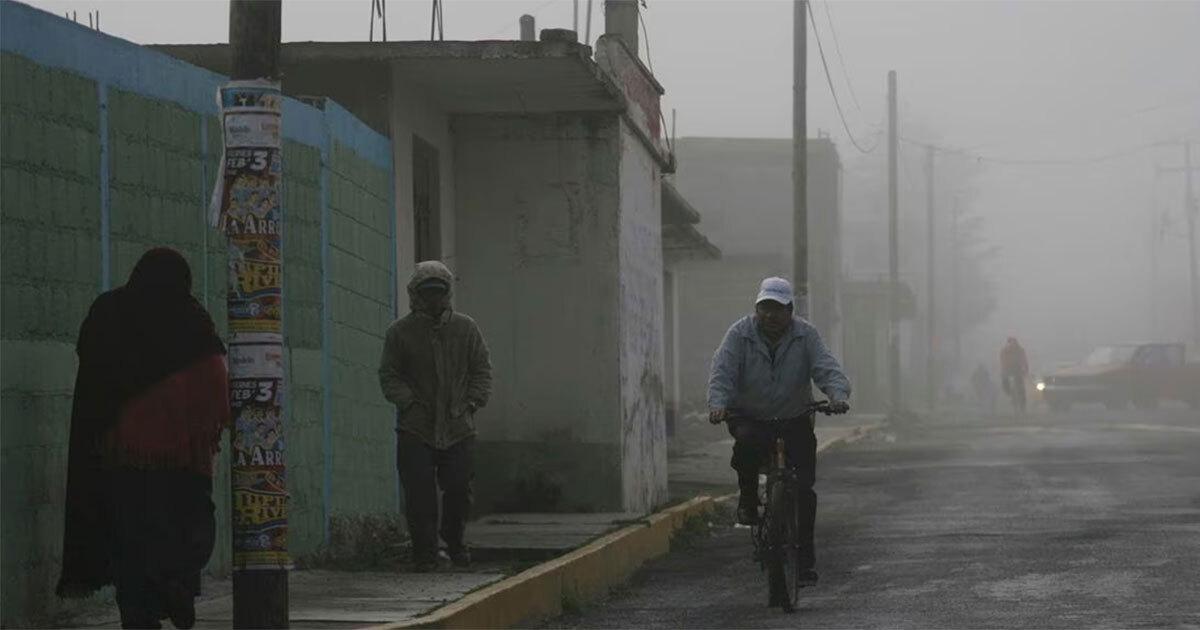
[1090,519]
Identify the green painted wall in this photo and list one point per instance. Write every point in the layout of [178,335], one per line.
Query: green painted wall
[50,264]
[360,260]
[163,160]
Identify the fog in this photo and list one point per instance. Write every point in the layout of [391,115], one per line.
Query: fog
[1059,115]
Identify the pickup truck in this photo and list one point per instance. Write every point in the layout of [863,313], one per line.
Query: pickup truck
[1119,375]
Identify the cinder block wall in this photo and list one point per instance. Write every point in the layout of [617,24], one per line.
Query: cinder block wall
[49,194]
[69,114]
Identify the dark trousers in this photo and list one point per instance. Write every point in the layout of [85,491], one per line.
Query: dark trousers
[754,446]
[162,534]
[423,470]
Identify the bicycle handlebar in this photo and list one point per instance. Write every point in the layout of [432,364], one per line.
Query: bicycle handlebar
[819,406]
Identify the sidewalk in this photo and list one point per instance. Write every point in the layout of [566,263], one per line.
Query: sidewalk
[529,546]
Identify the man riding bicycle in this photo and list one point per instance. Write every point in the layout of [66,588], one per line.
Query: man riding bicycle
[764,370]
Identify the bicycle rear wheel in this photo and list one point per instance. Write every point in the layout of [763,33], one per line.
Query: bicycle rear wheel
[783,548]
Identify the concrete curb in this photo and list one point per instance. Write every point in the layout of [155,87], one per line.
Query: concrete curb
[583,575]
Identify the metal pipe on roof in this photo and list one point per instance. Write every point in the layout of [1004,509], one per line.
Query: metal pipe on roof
[528,28]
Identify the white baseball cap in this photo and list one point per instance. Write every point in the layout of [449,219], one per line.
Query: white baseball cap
[776,290]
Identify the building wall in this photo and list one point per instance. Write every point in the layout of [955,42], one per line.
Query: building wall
[643,420]
[109,149]
[412,113]
[538,204]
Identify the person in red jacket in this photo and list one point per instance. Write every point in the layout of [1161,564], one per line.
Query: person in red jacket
[151,401]
[1014,367]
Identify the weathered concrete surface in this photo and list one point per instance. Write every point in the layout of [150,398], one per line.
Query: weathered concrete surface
[640,326]
[1088,520]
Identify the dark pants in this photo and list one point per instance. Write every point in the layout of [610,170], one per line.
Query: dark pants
[754,446]
[162,534]
[423,470]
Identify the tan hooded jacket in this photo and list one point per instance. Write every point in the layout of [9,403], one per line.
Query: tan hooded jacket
[435,370]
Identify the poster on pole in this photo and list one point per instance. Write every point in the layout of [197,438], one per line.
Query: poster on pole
[246,207]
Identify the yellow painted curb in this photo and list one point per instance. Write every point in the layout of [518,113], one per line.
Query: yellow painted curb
[583,575]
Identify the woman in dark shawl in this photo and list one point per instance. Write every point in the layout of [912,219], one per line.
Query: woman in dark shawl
[151,400]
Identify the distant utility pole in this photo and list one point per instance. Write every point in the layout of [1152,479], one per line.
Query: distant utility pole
[893,255]
[260,578]
[955,285]
[800,155]
[1190,209]
[931,287]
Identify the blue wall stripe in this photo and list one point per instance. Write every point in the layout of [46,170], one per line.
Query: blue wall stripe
[350,131]
[105,217]
[49,40]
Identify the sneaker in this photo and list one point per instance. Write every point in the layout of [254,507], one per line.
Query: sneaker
[807,577]
[747,514]
[460,558]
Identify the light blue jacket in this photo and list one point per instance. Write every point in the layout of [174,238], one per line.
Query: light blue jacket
[744,378]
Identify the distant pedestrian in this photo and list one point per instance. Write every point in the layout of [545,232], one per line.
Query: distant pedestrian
[985,390]
[435,369]
[1014,367]
[151,400]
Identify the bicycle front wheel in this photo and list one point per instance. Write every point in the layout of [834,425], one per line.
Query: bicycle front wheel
[783,549]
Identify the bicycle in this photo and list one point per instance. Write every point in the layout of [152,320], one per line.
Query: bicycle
[776,534]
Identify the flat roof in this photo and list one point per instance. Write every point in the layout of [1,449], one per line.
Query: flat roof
[460,77]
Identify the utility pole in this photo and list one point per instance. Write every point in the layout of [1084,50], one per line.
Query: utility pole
[255,304]
[955,285]
[893,255]
[1190,210]
[800,155]
[931,287]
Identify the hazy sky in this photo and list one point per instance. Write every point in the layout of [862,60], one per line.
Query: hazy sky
[1013,80]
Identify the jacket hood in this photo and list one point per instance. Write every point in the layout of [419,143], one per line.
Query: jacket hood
[425,271]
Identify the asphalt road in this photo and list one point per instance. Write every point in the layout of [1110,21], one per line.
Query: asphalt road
[1086,520]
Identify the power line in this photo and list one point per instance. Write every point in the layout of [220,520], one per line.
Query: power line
[829,80]
[646,36]
[837,46]
[1095,159]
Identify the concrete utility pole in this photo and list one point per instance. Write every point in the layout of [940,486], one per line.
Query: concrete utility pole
[893,255]
[260,592]
[800,155]
[931,287]
[955,285]
[1190,209]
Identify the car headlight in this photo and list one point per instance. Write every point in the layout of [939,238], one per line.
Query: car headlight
[1041,386]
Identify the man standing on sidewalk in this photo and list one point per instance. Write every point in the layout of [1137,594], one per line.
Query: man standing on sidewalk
[765,369]
[435,369]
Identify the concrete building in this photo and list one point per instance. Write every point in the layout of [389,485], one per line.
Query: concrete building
[535,170]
